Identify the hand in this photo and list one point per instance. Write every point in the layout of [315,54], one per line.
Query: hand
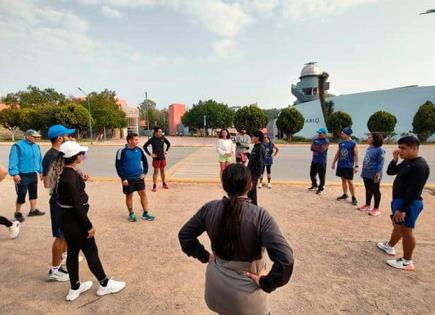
[154,155]
[396,155]
[141,176]
[333,166]
[256,277]
[355,170]
[85,177]
[17,179]
[91,232]
[210,258]
[399,217]
[125,183]
[377,178]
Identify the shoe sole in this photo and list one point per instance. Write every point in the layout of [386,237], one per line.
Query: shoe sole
[57,280]
[407,268]
[70,300]
[103,294]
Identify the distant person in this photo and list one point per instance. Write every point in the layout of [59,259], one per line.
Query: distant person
[75,224]
[25,163]
[13,227]
[372,173]
[319,147]
[412,174]
[347,157]
[57,134]
[132,167]
[225,149]
[270,151]
[256,163]
[236,280]
[157,142]
[243,140]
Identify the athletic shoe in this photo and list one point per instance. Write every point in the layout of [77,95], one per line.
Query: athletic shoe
[147,216]
[19,216]
[132,217]
[73,294]
[35,213]
[384,246]
[165,186]
[14,229]
[343,197]
[374,212]
[319,191]
[363,208]
[401,264]
[112,286]
[154,189]
[259,186]
[354,201]
[269,185]
[58,275]
[64,255]
[312,188]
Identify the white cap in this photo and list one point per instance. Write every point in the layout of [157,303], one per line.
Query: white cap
[71,148]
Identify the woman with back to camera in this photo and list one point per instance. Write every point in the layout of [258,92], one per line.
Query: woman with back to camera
[74,222]
[239,231]
[225,149]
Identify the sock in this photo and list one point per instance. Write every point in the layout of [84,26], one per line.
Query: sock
[407,262]
[54,268]
[103,282]
[154,185]
[130,210]
[145,211]
[76,286]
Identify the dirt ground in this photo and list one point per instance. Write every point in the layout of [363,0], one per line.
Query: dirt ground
[338,267]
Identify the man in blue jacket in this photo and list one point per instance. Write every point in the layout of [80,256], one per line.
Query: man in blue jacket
[25,163]
[132,166]
[319,147]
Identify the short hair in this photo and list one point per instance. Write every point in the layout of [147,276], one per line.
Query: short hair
[259,134]
[378,139]
[157,128]
[131,135]
[409,141]
[228,133]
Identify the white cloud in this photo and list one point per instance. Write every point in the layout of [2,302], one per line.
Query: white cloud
[110,13]
[225,48]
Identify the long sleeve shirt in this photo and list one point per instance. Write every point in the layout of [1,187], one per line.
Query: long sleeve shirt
[373,162]
[410,180]
[131,163]
[256,160]
[158,147]
[258,230]
[319,147]
[25,157]
[242,143]
[225,146]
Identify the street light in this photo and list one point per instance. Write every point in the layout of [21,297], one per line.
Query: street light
[146,111]
[89,109]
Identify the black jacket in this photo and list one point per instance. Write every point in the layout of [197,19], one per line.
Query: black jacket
[256,160]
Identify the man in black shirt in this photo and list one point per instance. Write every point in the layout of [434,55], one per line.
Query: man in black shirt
[407,203]
[256,164]
[157,143]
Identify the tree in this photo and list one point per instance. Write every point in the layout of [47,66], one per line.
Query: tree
[423,123]
[10,119]
[251,118]
[218,115]
[290,121]
[31,118]
[34,97]
[383,122]
[326,110]
[148,111]
[337,121]
[73,115]
[272,113]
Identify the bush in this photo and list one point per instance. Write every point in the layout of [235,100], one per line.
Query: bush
[383,122]
[424,121]
[251,117]
[337,121]
[290,121]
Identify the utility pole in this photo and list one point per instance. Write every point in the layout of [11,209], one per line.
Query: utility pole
[146,109]
[90,115]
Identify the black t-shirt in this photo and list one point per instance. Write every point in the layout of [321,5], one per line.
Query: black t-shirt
[158,147]
[49,157]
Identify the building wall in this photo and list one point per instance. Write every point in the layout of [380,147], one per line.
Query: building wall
[176,111]
[401,102]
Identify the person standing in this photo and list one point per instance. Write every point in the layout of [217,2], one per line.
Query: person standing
[236,281]
[256,163]
[225,149]
[243,140]
[319,147]
[157,142]
[132,167]
[25,163]
[270,151]
[57,134]
[347,157]
[74,222]
[13,227]
[411,176]
[372,173]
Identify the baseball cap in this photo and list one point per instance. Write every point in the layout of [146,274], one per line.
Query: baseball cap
[71,148]
[59,130]
[32,133]
[347,131]
[322,130]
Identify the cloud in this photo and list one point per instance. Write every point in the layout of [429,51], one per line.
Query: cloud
[110,13]
[225,48]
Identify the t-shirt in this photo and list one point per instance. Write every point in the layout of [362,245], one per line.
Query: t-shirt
[49,157]
[157,145]
[320,150]
[346,158]
[373,162]
[268,152]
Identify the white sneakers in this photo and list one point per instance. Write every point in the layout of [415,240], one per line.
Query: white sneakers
[64,255]
[112,286]
[269,185]
[401,263]
[384,246]
[14,229]
[58,275]
[73,294]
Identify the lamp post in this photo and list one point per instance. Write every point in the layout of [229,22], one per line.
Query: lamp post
[90,115]
[146,111]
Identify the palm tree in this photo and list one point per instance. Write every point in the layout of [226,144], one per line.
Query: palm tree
[322,97]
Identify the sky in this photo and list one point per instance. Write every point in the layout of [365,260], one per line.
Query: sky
[237,52]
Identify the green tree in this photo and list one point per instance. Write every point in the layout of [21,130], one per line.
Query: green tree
[148,110]
[32,118]
[423,123]
[290,121]
[218,115]
[73,115]
[337,121]
[34,97]
[252,118]
[272,113]
[10,119]
[383,122]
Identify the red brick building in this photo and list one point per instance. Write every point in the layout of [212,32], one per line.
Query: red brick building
[176,111]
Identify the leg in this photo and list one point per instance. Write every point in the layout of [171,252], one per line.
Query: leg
[90,250]
[58,248]
[368,184]
[377,194]
[408,242]
[59,244]
[129,202]
[72,261]
[269,173]
[33,204]
[4,221]
[21,190]
[162,175]
[155,174]
[143,199]
[252,194]
[396,235]
[322,174]
[33,191]
[262,173]
[351,187]
[344,185]
[221,168]
[313,173]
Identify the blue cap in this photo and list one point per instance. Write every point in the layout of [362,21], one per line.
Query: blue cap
[322,130]
[347,131]
[59,130]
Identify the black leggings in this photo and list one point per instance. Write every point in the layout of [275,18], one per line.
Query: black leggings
[76,240]
[252,194]
[4,221]
[317,169]
[372,189]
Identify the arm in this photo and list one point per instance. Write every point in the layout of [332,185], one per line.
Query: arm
[168,144]
[144,163]
[337,155]
[118,164]
[219,149]
[355,152]
[13,160]
[393,167]
[415,186]
[380,162]
[146,145]
[276,149]
[188,237]
[39,170]
[73,185]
